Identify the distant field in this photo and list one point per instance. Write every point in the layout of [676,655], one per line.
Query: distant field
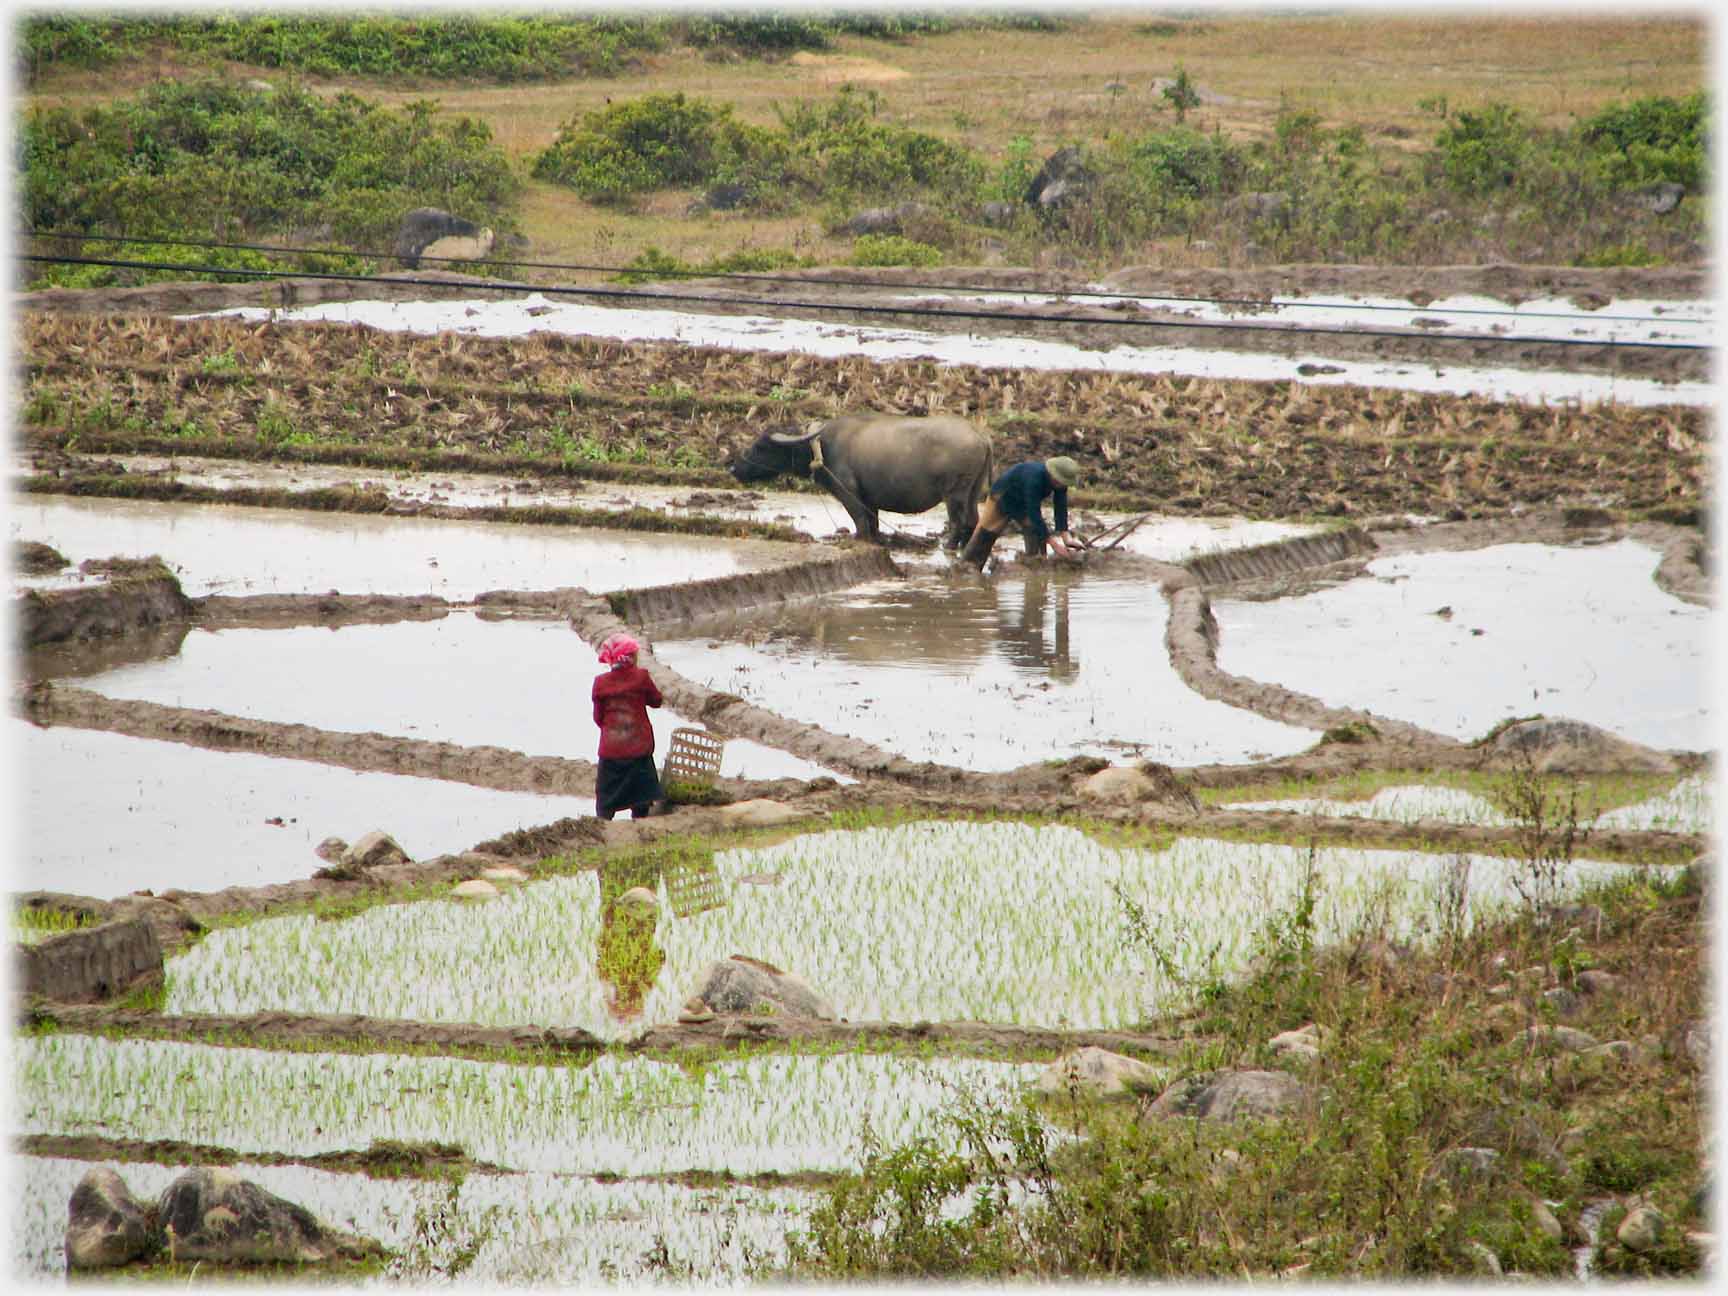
[1387,74]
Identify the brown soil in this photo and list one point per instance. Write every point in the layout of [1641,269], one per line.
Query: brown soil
[108,374]
[112,382]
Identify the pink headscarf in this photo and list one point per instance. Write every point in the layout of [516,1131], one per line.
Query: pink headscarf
[619,651]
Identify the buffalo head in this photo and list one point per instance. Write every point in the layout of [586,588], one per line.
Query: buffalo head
[782,450]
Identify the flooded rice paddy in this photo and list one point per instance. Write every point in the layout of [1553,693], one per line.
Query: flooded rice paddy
[1688,807]
[623,1116]
[989,674]
[530,1228]
[105,814]
[1045,942]
[534,312]
[1458,642]
[238,549]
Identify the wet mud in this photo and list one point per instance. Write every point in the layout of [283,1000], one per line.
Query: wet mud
[1364,455]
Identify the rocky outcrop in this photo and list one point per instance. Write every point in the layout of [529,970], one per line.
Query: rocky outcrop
[1233,1095]
[1561,746]
[207,1214]
[106,1225]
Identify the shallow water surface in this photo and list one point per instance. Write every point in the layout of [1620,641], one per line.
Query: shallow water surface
[988,673]
[1458,642]
[237,549]
[535,313]
[558,1229]
[616,1115]
[994,922]
[103,814]
[520,685]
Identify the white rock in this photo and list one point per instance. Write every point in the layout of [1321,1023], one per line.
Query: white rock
[474,889]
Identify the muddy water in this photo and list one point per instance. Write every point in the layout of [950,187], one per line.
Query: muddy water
[986,673]
[534,313]
[549,1229]
[520,685]
[103,814]
[230,549]
[1169,539]
[1457,642]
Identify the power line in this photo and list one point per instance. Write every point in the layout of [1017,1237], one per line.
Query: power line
[1258,303]
[633,294]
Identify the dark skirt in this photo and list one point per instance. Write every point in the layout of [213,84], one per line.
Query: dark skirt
[625,784]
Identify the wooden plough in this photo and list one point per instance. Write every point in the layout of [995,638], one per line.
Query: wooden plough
[1115,534]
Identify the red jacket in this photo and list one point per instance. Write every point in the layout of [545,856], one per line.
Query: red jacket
[621,699]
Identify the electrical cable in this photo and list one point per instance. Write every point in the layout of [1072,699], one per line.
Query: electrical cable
[629,294]
[1258,303]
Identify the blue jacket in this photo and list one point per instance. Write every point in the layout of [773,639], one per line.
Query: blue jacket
[1021,492]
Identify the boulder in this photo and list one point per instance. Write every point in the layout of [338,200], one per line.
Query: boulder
[503,875]
[106,1225]
[1061,182]
[1099,1071]
[1559,1039]
[375,848]
[741,985]
[1563,746]
[430,232]
[1232,1095]
[213,1214]
[1658,199]
[1642,1229]
[1130,785]
[474,889]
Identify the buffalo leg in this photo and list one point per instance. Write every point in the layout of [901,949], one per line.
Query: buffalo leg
[977,551]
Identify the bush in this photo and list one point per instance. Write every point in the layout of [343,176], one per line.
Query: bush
[215,159]
[893,250]
[656,142]
[1648,141]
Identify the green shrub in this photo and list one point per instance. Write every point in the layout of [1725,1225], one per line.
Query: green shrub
[217,159]
[1482,152]
[1650,140]
[658,141]
[893,250]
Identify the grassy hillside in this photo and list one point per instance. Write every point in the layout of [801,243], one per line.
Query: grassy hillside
[1339,110]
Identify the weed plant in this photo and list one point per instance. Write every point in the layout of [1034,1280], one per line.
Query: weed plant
[1434,1133]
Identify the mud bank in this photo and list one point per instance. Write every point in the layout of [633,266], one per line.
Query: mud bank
[534,1044]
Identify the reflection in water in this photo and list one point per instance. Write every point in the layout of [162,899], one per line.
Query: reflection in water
[627,958]
[84,658]
[1043,598]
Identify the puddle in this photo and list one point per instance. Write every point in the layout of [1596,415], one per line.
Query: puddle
[1688,807]
[985,673]
[1630,320]
[612,1116]
[102,814]
[520,685]
[535,313]
[530,1228]
[967,922]
[239,549]
[1582,632]
[1171,539]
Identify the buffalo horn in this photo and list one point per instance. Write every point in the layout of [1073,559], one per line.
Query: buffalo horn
[797,438]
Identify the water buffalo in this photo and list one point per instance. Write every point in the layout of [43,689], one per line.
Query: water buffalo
[883,463]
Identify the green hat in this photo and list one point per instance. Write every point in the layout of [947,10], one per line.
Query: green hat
[1064,470]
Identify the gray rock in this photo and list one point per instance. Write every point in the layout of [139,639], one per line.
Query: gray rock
[997,213]
[213,1214]
[1594,981]
[1099,1071]
[374,849]
[1260,206]
[1062,181]
[106,1224]
[747,986]
[1544,1218]
[1232,1095]
[1482,1260]
[1466,1163]
[1573,747]
[1564,1039]
[331,850]
[1642,1229]
[1564,1002]
[1659,199]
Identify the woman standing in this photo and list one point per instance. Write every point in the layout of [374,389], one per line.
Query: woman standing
[622,695]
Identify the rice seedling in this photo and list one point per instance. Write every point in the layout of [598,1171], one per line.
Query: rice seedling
[514,1228]
[924,921]
[624,1116]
